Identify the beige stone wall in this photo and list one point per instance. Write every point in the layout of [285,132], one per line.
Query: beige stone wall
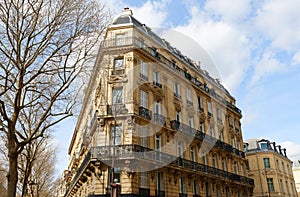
[280,171]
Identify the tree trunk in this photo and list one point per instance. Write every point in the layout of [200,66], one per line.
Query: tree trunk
[12,177]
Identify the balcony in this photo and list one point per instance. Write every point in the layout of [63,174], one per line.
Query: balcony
[144,77]
[157,84]
[139,153]
[178,126]
[177,95]
[134,42]
[189,103]
[117,109]
[145,113]
[159,119]
[118,72]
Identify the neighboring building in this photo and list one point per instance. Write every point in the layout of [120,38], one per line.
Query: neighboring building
[270,168]
[296,172]
[166,126]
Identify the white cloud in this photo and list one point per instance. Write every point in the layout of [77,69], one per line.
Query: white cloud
[234,11]
[278,21]
[228,47]
[296,58]
[292,149]
[152,13]
[268,64]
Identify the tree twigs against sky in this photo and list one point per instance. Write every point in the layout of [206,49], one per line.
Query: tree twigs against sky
[44,45]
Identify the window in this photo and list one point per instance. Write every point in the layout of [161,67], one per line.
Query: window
[189,96]
[230,121]
[202,127]
[195,187]
[209,108]
[236,167]
[177,90]
[117,95]
[144,136]
[214,161]
[267,163]
[270,184]
[182,185]
[116,136]
[158,147]
[144,180]
[221,135]
[204,159]
[212,131]
[207,189]
[156,77]
[224,164]
[160,182]
[200,105]
[239,145]
[157,107]
[242,170]
[143,99]
[120,39]
[218,190]
[219,115]
[119,64]
[264,145]
[179,149]
[232,142]
[178,116]
[193,154]
[191,122]
[143,70]
[236,125]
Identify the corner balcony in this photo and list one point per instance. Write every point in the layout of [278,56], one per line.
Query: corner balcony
[145,113]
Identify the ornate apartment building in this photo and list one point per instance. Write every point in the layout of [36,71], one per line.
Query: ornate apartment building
[153,123]
[296,173]
[270,168]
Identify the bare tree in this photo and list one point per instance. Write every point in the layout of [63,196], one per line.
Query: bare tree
[43,47]
[37,167]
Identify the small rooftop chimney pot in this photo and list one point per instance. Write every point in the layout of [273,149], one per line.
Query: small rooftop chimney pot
[127,11]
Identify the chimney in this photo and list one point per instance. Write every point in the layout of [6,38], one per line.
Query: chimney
[127,11]
[279,147]
[284,151]
[274,145]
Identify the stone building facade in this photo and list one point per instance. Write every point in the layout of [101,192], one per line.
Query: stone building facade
[270,168]
[153,123]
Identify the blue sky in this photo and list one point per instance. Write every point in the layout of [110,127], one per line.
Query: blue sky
[255,46]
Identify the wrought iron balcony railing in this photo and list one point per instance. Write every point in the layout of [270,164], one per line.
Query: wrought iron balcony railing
[178,126]
[157,84]
[160,119]
[118,72]
[137,43]
[145,113]
[122,152]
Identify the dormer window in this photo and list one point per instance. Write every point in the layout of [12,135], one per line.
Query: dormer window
[263,145]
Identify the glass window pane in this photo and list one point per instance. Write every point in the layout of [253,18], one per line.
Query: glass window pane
[117,95]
